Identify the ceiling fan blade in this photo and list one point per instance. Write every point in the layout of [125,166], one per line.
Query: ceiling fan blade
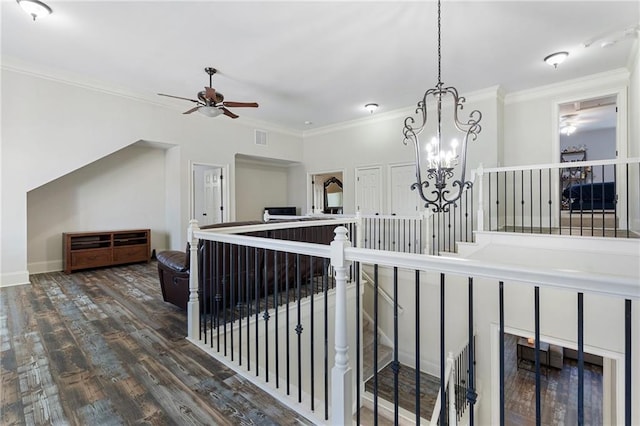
[194,109]
[210,94]
[232,104]
[228,113]
[178,97]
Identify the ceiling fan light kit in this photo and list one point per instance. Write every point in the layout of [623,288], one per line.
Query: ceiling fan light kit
[556,58]
[211,103]
[35,8]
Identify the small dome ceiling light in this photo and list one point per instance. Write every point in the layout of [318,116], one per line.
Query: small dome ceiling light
[371,107]
[556,59]
[35,8]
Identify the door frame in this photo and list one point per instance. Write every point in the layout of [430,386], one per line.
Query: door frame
[309,185]
[224,186]
[381,192]
[622,137]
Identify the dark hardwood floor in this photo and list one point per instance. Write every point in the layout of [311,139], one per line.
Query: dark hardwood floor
[558,392]
[101,347]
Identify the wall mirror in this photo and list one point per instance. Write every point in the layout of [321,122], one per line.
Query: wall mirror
[332,196]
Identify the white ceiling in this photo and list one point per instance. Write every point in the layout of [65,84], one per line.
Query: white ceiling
[315,61]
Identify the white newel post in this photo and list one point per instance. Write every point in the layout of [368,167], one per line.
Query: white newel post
[341,381]
[480,174]
[426,231]
[359,230]
[193,306]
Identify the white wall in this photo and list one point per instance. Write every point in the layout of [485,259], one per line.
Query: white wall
[124,190]
[531,116]
[259,185]
[377,140]
[73,125]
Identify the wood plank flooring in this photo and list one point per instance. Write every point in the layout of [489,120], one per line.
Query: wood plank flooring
[101,348]
[559,389]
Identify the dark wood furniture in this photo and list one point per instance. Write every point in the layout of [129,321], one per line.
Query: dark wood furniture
[83,250]
[527,352]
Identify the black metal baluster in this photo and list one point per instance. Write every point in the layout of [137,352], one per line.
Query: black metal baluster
[256,298]
[580,359]
[513,175]
[286,316]
[232,284]
[531,200]
[522,199]
[628,200]
[560,172]
[217,295]
[225,281]
[276,302]
[443,396]
[396,363]
[375,344]
[550,230]
[615,202]
[471,391]
[537,355]
[265,314]
[501,384]
[311,332]
[247,305]
[497,201]
[603,206]
[627,362]
[540,196]
[489,201]
[326,343]
[417,339]
[299,325]
[325,289]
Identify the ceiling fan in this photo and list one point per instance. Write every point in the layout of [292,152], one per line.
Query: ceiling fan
[212,103]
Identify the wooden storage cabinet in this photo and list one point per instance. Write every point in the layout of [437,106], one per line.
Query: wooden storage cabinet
[83,250]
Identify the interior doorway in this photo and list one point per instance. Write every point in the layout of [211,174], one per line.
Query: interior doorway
[208,189]
[327,190]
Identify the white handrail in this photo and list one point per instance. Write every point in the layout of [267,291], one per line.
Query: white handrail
[571,164]
[382,292]
[278,225]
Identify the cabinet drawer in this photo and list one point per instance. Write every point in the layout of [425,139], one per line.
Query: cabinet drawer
[90,258]
[127,254]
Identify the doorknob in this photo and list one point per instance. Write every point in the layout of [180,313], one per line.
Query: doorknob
[204,214]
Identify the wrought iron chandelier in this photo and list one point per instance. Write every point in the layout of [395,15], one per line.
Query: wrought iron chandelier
[438,161]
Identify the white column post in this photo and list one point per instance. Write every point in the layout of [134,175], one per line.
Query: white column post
[480,221]
[193,306]
[341,381]
[359,230]
[426,231]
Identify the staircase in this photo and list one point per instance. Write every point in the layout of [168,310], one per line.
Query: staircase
[385,353]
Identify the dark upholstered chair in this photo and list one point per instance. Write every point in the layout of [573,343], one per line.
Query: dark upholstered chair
[173,271]
[173,267]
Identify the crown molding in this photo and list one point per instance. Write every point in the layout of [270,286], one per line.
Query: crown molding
[490,93]
[14,65]
[619,76]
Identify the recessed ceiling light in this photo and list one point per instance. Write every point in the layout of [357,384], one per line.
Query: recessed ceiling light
[556,59]
[35,8]
[371,107]
[308,123]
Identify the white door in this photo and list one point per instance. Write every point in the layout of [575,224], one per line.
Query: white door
[212,197]
[207,194]
[369,190]
[404,201]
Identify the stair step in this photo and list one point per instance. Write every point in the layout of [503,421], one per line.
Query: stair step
[385,353]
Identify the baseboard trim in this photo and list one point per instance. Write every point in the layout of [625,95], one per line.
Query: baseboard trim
[14,278]
[46,266]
